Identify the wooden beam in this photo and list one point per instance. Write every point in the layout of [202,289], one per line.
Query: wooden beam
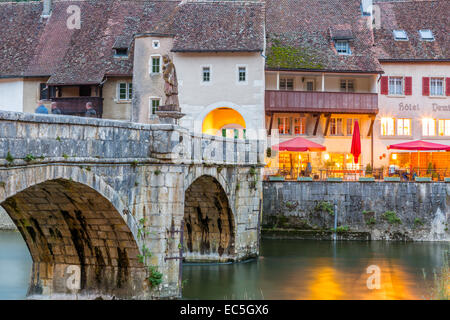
[328,116]
[317,123]
[269,133]
[372,121]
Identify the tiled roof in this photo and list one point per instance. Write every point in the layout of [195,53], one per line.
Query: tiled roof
[31,46]
[218,26]
[412,16]
[300,36]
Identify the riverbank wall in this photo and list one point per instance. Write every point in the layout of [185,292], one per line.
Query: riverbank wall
[364,210]
[5,221]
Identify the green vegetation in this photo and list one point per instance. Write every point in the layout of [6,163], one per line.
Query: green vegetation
[341,229]
[134,164]
[29,158]
[418,222]
[371,221]
[289,57]
[324,206]
[369,169]
[154,277]
[157,172]
[58,139]
[9,158]
[392,217]
[65,156]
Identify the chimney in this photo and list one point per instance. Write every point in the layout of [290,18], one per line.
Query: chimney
[47,10]
[366,6]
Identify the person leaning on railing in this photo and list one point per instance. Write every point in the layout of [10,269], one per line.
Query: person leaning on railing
[90,111]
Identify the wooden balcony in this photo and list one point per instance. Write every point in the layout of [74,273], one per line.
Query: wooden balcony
[76,106]
[321,102]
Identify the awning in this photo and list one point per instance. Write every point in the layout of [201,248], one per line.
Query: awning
[299,144]
[419,145]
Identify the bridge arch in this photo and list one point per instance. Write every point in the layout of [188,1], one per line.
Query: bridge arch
[69,223]
[209,222]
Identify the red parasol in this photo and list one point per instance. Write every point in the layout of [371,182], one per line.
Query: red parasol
[298,145]
[419,145]
[356,143]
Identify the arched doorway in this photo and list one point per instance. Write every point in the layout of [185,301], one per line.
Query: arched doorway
[68,224]
[208,222]
[225,122]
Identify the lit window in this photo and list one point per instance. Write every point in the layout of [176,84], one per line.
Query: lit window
[154,104]
[286,84]
[428,127]
[387,127]
[400,35]
[299,125]
[436,87]
[125,91]
[347,86]
[444,128]
[336,126]
[206,74]
[342,47]
[242,74]
[404,127]
[395,85]
[156,65]
[426,35]
[284,125]
[351,125]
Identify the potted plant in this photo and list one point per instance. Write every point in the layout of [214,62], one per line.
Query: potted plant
[426,178]
[276,178]
[393,178]
[334,179]
[304,179]
[367,178]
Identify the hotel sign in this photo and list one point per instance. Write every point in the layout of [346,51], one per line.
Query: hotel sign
[415,107]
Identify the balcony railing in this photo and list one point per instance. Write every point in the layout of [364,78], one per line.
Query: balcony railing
[321,102]
[76,106]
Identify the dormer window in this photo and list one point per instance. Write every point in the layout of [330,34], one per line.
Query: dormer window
[155,44]
[342,46]
[121,52]
[426,35]
[400,35]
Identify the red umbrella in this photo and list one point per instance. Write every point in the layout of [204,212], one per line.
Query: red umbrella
[356,143]
[298,145]
[419,145]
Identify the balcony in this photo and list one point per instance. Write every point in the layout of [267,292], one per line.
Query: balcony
[76,106]
[321,102]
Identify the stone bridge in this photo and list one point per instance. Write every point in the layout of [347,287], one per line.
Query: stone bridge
[105,207]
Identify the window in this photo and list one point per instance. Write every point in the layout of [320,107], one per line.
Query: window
[154,104]
[286,84]
[242,74]
[351,125]
[342,47]
[400,35]
[85,91]
[299,125]
[336,126]
[436,87]
[206,74]
[396,85]
[404,127]
[156,65]
[121,52]
[125,91]
[45,92]
[155,44]
[310,85]
[428,127]
[444,128]
[284,125]
[387,127]
[426,35]
[347,86]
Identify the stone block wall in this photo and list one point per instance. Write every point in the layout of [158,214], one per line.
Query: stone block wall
[387,211]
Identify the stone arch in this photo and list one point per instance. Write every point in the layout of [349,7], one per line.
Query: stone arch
[67,223]
[209,223]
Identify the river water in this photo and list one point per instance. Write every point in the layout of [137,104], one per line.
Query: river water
[287,269]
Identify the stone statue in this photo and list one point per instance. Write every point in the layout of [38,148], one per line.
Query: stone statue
[170,112]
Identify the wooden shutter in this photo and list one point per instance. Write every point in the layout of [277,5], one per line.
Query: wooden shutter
[425,86]
[408,86]
[447,87]
[384,85]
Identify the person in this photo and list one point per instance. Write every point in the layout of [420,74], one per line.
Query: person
[41,109]
[90,111]
[55,109]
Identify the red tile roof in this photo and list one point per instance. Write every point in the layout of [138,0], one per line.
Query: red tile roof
[412,16]
[301,32]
